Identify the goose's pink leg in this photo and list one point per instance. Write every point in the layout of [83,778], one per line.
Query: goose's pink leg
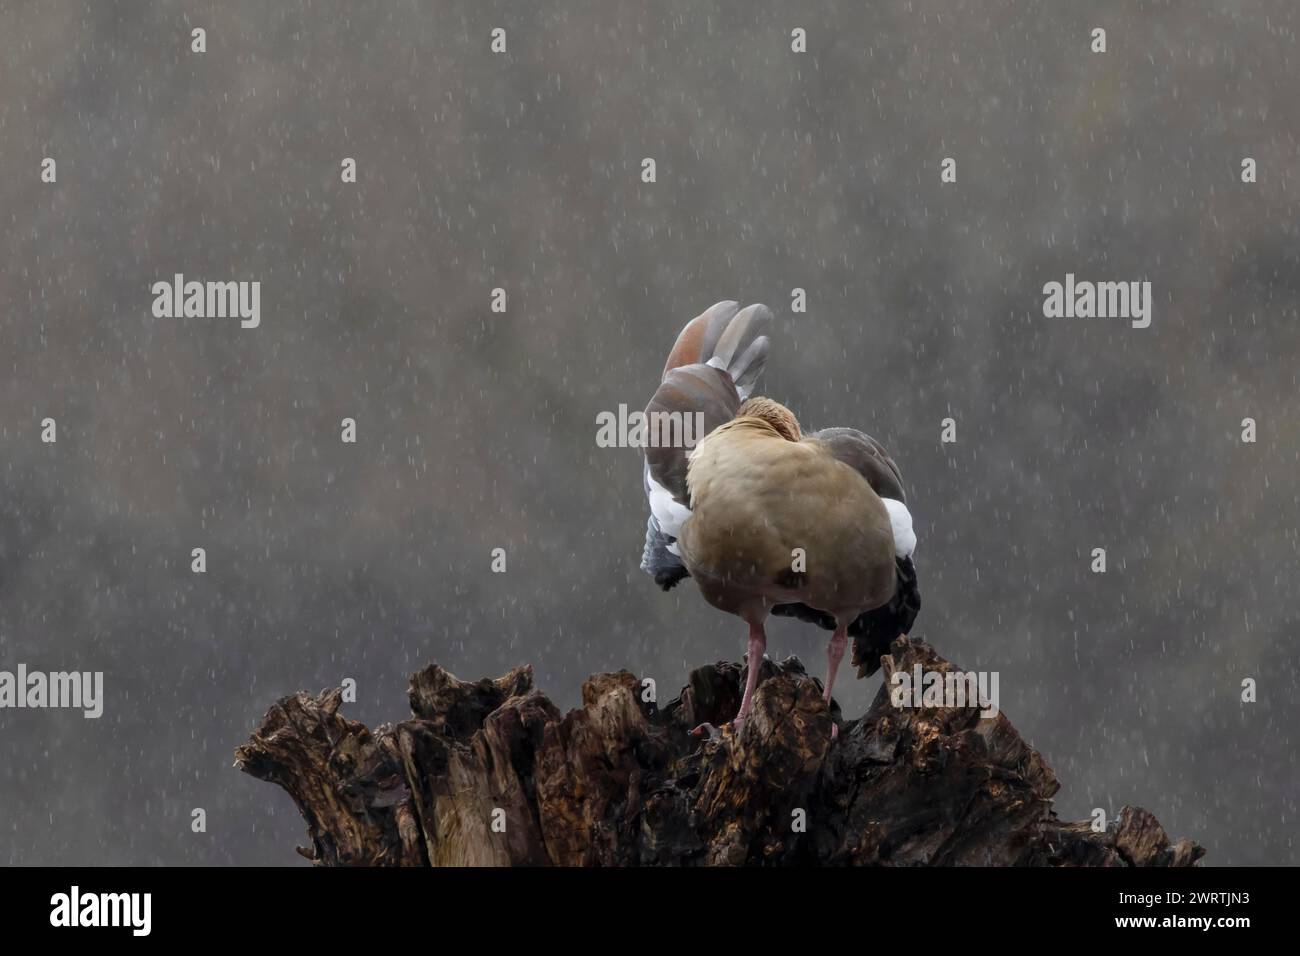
[757,648]
[835,654]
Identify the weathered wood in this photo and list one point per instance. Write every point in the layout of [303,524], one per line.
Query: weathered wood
[349,783]
[490,773]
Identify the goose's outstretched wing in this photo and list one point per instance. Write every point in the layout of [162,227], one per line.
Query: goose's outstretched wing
[711,369]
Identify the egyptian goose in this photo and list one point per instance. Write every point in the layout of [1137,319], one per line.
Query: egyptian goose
[765,518]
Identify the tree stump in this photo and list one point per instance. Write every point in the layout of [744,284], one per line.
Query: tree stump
[490,773]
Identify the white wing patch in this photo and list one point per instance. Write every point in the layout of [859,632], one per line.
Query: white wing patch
[668,511]
[901,519]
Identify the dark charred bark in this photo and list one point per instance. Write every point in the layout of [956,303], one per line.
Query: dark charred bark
[490,773]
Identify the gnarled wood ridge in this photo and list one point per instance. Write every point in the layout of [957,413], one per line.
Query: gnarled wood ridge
[491,773]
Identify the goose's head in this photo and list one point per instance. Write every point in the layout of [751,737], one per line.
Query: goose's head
[774,413]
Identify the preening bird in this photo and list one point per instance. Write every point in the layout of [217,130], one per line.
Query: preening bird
[765,518]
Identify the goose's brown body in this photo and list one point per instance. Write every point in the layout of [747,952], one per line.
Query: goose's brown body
[757,497]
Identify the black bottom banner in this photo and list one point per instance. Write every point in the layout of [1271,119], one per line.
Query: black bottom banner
[439,906]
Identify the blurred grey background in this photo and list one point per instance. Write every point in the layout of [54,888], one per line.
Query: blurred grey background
[775,171]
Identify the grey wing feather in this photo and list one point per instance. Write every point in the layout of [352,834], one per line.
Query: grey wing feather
[738,349]
[717,319]
[657,561]
[867,457]
[750,365]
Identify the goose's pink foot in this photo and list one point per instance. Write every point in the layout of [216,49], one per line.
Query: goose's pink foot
[708,730]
